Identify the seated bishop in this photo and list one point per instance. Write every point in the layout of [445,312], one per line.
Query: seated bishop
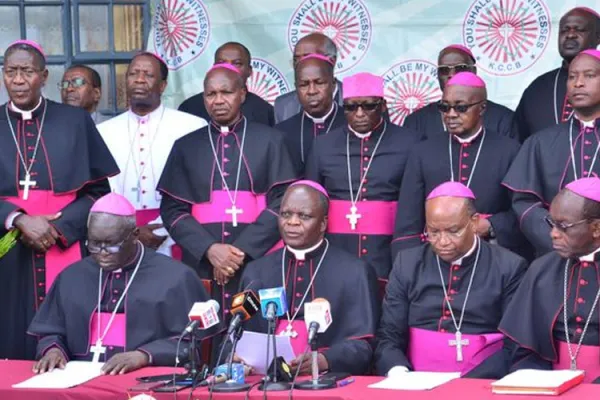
[309,267]
[553,318]
[125,305]
[445,299]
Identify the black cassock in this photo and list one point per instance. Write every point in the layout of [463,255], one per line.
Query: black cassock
[70,170]
[150,318]
[428,120]
[415,300]
[301,130]
[543,104]
[328,165]
[346,282]
[542,168]
[255,108]
[194,201]
[535,321]
[429,166]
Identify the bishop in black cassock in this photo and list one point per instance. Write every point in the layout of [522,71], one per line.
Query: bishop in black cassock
[429,120]
[315,85]
[222,187]
[544,103]
[145,298]
[57,169]
[445,299]
[558,155]
[255,108]
[361,166]
[469,153]
[553,319]
[346,282]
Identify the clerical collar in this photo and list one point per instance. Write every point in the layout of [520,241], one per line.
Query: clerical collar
[156,113]
[468,253]
[321,120]
[365,135]
[585,124]
[301,254]
[470,138]
[590,257]
[26,115]
[227,128]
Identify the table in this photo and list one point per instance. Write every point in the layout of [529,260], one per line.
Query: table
[115,388]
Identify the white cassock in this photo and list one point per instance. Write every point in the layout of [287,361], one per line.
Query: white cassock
[140,146]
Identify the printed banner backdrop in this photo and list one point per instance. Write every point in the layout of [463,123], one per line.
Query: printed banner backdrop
[514,41]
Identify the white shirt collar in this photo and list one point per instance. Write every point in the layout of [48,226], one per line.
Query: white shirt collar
[322,119]
[590,257]
[586,124]
[470,138]
[301,254]
[363,135]
[152,115]
[26,115]
[468,253]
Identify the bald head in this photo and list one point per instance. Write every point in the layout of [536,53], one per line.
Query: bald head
[315,85]
[223,75]
[224,94]
[236,54]
[303,216]
[315,43]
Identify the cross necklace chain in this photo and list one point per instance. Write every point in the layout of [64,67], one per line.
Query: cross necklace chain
[458,341]
[353,217]
[27,183]
[289,329]
[573,356]
[335,106]
[460,150]
[233,210]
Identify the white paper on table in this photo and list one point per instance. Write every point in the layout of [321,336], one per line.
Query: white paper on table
[252,348]
[533,378]
[415,380]
[75,373]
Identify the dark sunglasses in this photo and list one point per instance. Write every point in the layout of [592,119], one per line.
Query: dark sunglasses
[448,69]
[459,108]
[561,226]
[364,106]
[75,82]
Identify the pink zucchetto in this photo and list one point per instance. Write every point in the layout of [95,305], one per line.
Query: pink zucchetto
[585,9]
[362,84]
[586,187]
[155,55]
[113,204]
[592,53]
[460,48]
[311,184]
[30,43]
[468,79]
[228,66]
[451,189]
[316,56]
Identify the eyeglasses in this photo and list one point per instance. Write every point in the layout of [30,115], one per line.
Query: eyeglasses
[561,226]
[437,235]
[445,70]
[459,108]
[367,107]
[75,82]
[95,248]
[26,71]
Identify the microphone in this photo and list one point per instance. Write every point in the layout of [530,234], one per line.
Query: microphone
[243,307]
[203,315]
[317,316]
[273,302]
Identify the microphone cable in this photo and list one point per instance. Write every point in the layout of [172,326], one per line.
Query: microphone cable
[306,352]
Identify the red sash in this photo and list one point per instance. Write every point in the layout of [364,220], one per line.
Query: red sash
[376,217]
[588,359]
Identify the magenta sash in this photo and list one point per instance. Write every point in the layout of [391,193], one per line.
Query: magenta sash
[587,360]
[431,351]
[214,211]
[300,341]
[143,217]
[115,335]
[376,217]
[43,202]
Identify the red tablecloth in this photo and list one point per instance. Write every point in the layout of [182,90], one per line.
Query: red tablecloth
[115,388]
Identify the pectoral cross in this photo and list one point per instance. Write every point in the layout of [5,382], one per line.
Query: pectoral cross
[353,217]
[138,191]
[234,211]
[573,364]
[289,331]
[97,349]
[27,183]
[459,342]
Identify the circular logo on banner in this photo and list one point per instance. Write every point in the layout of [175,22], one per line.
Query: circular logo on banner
[409,86]
[181,31]
[507,36]
[266,80]
[346,22]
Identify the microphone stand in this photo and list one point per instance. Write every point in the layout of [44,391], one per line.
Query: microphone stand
[274,385]
[231,386]
[315,383]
